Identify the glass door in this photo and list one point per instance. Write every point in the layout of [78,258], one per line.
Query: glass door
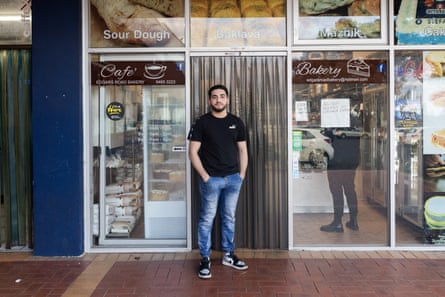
[340,148]
[138,117]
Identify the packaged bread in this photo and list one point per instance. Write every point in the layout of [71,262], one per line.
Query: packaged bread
[158,195]
[172,8]
[156,157]
[161,173]
[177,175]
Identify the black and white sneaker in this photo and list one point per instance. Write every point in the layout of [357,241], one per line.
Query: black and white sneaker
[204,268]
[232,260]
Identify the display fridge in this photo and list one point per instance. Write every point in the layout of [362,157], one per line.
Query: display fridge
[138,119]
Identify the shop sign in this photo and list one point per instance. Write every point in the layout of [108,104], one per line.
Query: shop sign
[355,70]
[137,73]
[136,23]
[345,21]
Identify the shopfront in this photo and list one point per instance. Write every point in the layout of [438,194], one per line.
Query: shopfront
[318,88]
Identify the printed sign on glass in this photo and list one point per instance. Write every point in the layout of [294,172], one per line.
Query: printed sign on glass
[345,21]
[238,23]
[136,23]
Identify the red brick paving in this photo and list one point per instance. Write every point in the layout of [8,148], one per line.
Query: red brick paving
[278,278]
[38,278]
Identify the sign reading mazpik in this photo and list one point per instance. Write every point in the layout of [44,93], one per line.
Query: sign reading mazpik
[137,73]
[339,71]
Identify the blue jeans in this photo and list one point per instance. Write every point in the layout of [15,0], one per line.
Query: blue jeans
[225,191]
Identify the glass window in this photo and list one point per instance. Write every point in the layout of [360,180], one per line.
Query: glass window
[420,154]
[232,23]
[340,148]
[15,22]
[340,21]
[419,22]
[137,23]
[138,151]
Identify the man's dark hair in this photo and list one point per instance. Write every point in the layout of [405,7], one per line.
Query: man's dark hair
[216,87]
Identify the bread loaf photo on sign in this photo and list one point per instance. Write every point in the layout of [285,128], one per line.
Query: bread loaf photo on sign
[171,8]
[131,23]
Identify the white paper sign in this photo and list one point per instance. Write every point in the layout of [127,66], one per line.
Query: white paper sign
[301,111]
[335,113]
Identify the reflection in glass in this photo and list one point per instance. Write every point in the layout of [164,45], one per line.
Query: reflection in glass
[342,99]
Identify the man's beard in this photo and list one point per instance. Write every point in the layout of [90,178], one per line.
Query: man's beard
[216,109]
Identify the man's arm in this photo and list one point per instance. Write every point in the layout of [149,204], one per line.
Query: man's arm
[196,161]
[243,158]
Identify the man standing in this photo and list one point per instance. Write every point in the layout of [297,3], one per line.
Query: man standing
[341,176]
[218,153]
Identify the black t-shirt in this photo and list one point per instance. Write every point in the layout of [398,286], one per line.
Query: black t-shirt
[219,137]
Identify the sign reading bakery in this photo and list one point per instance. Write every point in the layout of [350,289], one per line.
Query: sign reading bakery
[351,71]
[136,23]
[137,73]
[345,21]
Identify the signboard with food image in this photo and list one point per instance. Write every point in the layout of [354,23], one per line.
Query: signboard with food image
[346,21]
[136,23]
[238,23]
[434,102]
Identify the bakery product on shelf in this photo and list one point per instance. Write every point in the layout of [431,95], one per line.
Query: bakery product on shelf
[161,173]
[418,23]
[157,157]
[158,195]
[178,175]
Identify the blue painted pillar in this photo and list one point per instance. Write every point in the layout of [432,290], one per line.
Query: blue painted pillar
[57,128]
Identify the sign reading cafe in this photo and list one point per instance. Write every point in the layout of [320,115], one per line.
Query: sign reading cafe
[137,73]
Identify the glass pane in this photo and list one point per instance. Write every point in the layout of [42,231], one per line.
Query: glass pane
[137,23]
[340,21]
[15,22]
[419,22]
[420,159]
[138,146]
[232,23]
[340,148]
